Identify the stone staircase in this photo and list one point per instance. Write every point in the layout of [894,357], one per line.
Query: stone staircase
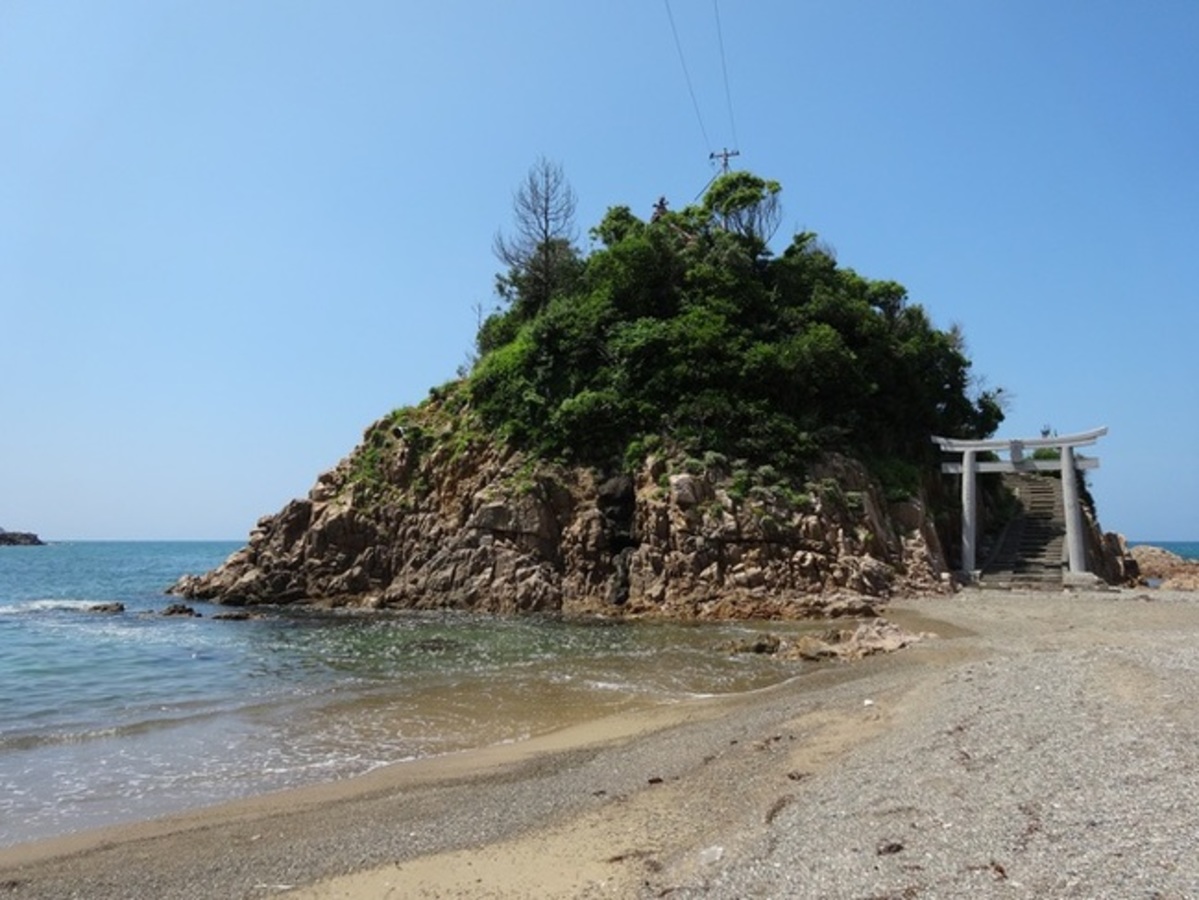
[1031,551]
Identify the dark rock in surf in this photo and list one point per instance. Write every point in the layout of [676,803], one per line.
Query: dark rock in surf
[107,608]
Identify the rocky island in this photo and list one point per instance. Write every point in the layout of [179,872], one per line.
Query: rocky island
[684,424]
[20,539]
[680,423]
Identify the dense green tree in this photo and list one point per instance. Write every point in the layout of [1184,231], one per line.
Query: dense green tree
[747,205]
[685,330]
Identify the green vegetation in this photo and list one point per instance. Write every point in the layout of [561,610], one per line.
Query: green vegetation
[375,467]
[687,333]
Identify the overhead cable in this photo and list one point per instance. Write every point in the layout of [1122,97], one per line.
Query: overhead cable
[728,96]
[687,75]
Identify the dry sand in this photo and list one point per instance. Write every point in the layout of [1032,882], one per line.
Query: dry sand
[1042,745]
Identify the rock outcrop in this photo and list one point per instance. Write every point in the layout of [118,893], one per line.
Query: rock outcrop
[425,515]
[1108,555]
[865,639]
[1161,568]
[19,539]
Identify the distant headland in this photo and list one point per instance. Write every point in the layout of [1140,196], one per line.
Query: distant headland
[19,539]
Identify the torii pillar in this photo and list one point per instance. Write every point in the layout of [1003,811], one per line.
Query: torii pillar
[1068,464]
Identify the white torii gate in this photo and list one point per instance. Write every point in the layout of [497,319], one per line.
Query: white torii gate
[969,468]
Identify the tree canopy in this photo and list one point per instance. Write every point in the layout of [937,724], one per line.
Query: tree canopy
[687,331]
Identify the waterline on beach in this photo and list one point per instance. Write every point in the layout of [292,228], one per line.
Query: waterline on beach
[109,718]
[178,758]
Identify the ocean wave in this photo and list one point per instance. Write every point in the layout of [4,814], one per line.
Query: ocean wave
[55,604]
[57,737]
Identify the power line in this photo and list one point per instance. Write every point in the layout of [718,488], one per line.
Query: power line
[728,96]
[704,189]
[687,75]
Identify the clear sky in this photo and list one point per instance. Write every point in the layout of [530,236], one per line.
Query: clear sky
[233,234]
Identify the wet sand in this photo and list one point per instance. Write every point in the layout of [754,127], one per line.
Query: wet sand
[1042,745]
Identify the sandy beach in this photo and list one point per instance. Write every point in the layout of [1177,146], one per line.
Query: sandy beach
[1041,745]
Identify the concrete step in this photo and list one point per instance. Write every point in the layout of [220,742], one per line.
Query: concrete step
[1030,551]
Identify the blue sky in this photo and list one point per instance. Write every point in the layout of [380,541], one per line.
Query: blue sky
[233,234]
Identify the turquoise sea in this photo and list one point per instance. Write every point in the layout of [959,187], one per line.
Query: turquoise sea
[107,718]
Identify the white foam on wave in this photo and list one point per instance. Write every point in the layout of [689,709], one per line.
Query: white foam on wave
[46,605]
[597,685]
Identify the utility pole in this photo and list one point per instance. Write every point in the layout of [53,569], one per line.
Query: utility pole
[723,156]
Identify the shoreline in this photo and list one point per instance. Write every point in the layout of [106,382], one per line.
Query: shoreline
[153,715]
[692,796]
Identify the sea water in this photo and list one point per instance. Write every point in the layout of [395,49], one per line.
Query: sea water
[114,717]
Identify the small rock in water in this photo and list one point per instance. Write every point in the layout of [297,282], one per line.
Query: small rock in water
[765,644]
[109,608]
[180,609]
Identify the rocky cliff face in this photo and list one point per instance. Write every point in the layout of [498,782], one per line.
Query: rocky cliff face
[1108,555]
[424,516]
